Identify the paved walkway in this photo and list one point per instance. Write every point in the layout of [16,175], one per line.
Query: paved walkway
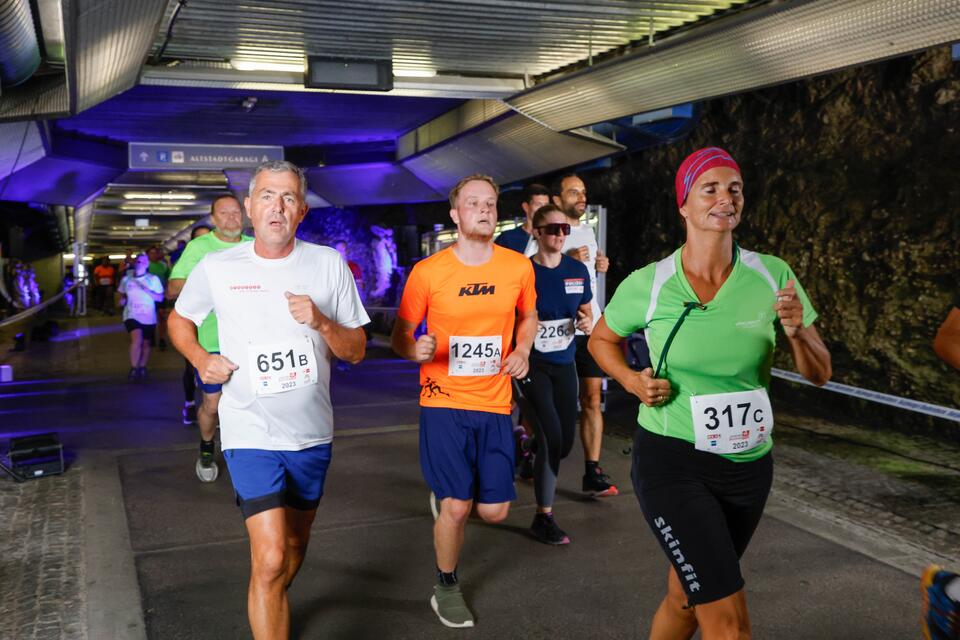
[128,544]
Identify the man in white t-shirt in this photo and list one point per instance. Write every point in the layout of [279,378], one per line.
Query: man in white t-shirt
[139,292]
[570,194]
[284,308]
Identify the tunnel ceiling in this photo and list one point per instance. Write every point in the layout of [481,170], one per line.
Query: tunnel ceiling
[170,71]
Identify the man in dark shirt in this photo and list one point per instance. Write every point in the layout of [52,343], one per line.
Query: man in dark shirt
[519,239]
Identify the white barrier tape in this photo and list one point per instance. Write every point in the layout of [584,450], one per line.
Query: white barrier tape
[36,309]
[947,413]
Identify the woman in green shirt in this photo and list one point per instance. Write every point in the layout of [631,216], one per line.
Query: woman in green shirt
[701,467]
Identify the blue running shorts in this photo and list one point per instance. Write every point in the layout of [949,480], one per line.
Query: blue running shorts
[207,388]
[265,479]
[467,455]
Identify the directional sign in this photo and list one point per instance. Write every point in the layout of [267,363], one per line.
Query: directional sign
[152,155]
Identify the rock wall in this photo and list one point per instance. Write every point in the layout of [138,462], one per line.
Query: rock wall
[852,178]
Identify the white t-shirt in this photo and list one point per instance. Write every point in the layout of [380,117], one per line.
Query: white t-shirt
[581,235]
[246,292]
[141,306]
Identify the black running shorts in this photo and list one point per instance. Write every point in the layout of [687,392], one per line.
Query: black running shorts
[702,508]
[147,329]
[587,367]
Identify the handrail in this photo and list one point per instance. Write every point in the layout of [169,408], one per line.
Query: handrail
[35,309]
[947,413]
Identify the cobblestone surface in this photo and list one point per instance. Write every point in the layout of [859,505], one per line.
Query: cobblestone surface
[41,559]
[907,486]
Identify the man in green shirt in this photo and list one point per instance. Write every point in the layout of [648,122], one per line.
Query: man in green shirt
[159,267]
[228,220]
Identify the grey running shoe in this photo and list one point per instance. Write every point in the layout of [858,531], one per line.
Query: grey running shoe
[207,473]
[434,506]
[448,604]
[207,469]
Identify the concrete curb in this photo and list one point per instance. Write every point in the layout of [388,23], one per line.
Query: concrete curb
[909,556]
[114,607]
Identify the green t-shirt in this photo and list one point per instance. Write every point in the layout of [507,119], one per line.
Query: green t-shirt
[192,253]
[726,347]
[161,270]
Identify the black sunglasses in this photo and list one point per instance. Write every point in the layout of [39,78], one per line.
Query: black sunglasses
[555,229]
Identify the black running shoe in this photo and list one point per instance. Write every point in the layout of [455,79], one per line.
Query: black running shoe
[545,529]
[189,413]
[526,471]
[132,375]
[598,484]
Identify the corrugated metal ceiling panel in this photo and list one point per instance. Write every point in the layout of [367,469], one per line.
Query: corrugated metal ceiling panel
[489,36]
[110,45]
[20,145]
[510,149]
[760,48]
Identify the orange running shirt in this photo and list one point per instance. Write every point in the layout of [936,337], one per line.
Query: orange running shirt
[472,312]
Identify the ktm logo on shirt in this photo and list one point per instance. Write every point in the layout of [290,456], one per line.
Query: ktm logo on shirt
[477,289]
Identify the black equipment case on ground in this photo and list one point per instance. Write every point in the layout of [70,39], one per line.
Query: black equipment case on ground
[35,456]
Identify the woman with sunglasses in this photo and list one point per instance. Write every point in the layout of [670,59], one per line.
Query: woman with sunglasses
[563,305]
[701,460]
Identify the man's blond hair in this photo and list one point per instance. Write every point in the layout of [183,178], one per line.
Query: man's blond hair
[455,192]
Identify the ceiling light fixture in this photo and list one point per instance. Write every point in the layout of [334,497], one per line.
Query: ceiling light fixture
[143,195]
[260,65]
[149,206]
[414,73]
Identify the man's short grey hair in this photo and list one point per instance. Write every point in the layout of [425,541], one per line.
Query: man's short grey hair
[280,166]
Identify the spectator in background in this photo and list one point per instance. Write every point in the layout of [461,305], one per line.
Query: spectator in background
[160,268]
[341,247]
[104,278]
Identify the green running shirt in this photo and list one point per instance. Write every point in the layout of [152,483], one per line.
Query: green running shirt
[726,347]
[207,334]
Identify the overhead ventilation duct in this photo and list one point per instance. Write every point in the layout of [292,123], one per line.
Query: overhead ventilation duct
[758,48]
[18,43]
[508,148]
[369,183]
[106,43]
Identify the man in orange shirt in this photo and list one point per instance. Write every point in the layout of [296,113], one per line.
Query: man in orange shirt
[470,294]
[104,279]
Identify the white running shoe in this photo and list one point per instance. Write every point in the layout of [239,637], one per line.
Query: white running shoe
[207,473]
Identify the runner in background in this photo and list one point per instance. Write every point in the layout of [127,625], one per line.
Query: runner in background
[138,293]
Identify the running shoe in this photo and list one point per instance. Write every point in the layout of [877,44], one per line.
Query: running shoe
[598,484]
[141,373]
[448,604]
[132,375]
[545,529]
[189,413]
[940,608]
[526,471]
[434,506]
[207,469]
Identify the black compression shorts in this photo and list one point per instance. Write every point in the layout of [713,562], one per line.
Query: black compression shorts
[702,508]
